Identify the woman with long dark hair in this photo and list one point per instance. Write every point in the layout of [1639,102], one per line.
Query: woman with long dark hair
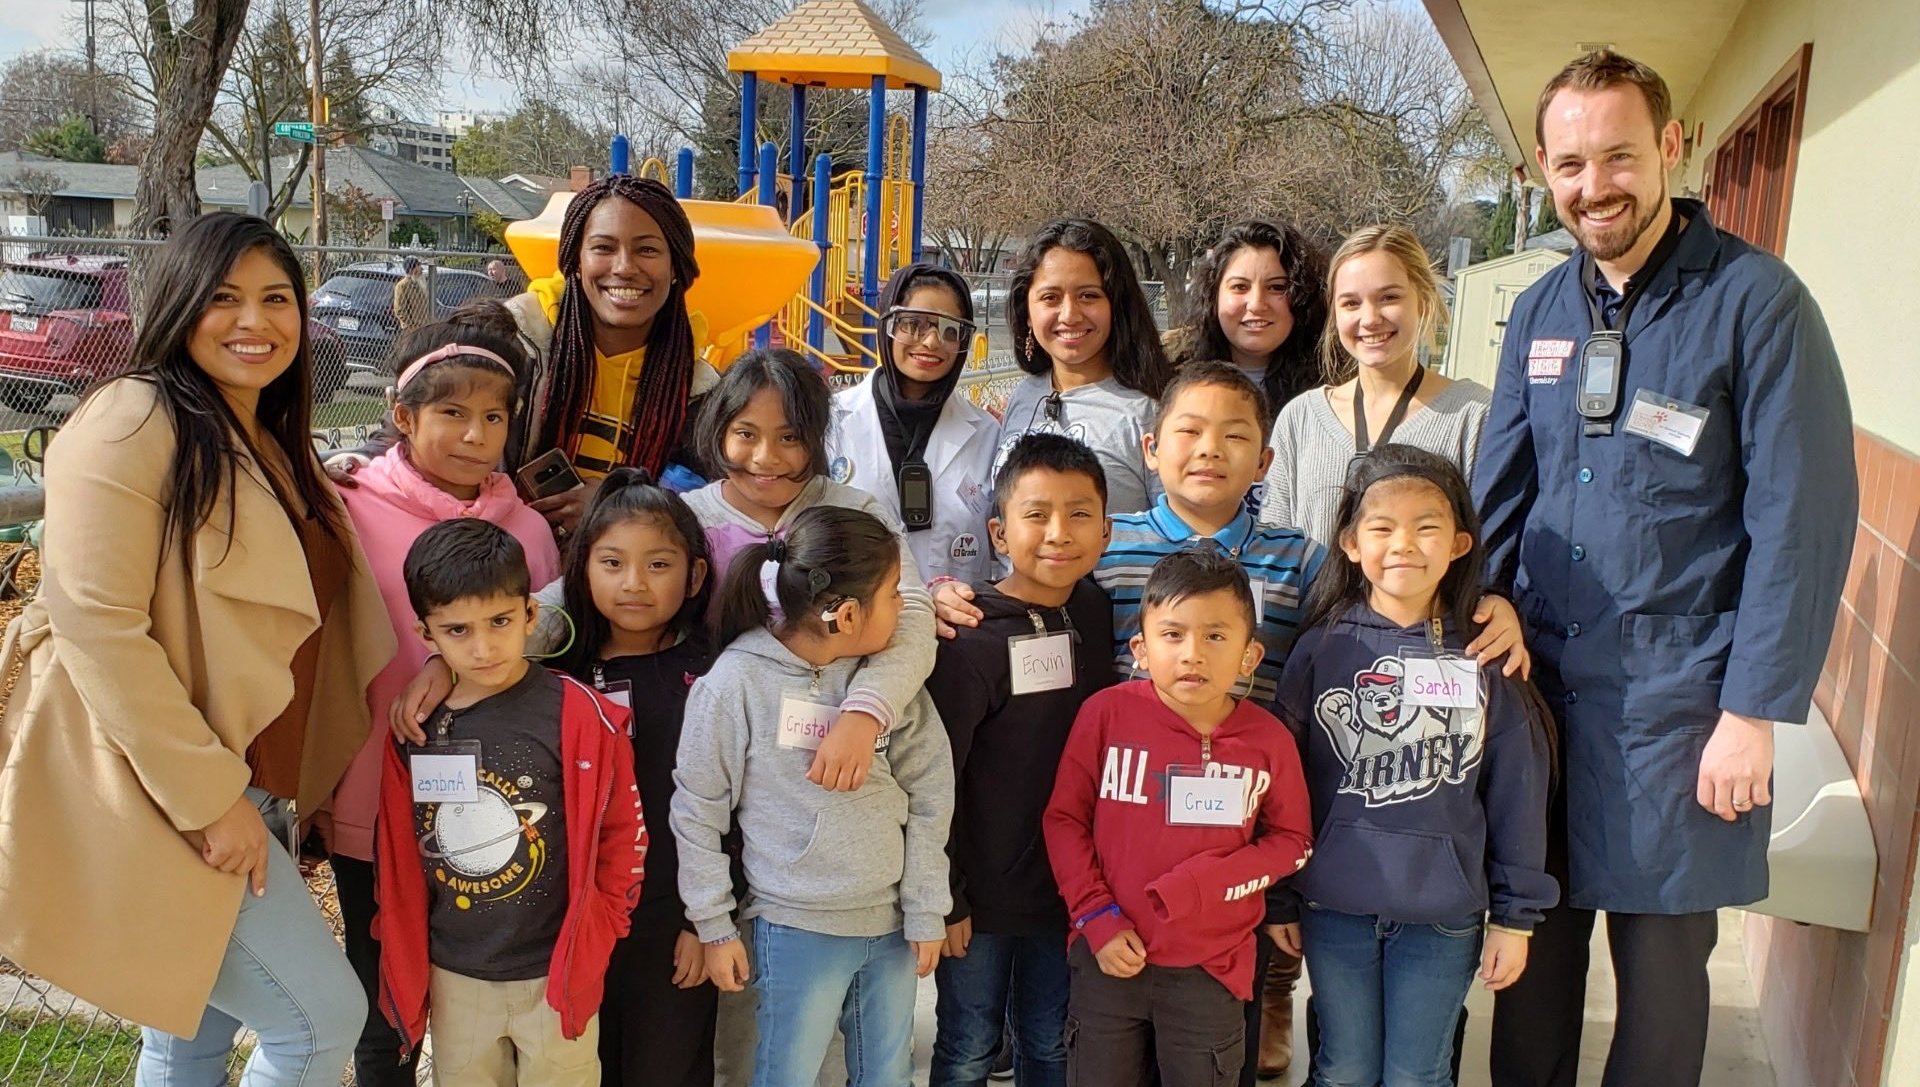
[1259,301]
[1084,332]
[195,680]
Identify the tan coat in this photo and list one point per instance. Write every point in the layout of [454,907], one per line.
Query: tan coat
[146,677]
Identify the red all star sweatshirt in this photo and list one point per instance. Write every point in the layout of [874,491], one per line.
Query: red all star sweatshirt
[1195,894]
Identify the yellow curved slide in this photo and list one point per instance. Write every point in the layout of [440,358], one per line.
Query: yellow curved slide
[750,267]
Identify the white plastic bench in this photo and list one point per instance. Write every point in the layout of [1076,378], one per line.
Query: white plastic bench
[1821,858]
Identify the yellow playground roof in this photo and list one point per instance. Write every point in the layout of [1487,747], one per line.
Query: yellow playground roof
[833,43]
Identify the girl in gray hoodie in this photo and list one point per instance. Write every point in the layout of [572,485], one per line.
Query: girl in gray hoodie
[847,892]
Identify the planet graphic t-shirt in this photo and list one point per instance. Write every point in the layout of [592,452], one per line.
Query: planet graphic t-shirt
[497,867]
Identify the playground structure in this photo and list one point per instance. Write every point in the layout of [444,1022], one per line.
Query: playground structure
[806,275]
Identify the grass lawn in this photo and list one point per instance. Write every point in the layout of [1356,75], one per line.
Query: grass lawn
[100,1055]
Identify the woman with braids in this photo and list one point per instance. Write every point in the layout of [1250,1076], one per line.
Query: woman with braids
[193,683]
[615,352]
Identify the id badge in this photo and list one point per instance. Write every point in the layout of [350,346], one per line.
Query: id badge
[1041,662]
[1196,800]
[446,772]
[620,693]
[1675,424]
[1446,682]
[803,724]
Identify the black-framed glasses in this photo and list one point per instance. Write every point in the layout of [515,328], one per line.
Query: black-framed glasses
[914,326]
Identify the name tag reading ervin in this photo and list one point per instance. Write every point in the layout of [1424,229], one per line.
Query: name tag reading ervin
[1041,662]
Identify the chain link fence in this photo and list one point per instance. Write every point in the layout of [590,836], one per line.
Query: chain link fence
[68,316]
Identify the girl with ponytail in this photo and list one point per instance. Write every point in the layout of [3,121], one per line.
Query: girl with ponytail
[847,894]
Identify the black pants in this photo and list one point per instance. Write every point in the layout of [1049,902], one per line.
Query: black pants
[1660,974]
[652,1032]
[1178,1021]
[376,1059]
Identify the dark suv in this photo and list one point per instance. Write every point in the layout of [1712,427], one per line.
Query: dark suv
[356,302]
[65,324]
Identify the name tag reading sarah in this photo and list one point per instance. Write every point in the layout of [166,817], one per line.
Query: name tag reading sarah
[1041,662]
[1447,681]
[1195,800]
[444,774]
[804,724]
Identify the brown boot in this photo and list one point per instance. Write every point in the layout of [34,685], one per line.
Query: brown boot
[1276,1015]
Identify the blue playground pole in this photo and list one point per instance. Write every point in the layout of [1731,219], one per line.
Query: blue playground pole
[769,189]
[876,165]
[797,133]
[749,107]
[919,163]
[683,174]
[622,155]
[823,240]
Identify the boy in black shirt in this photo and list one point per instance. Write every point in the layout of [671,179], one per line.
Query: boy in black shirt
[1008,690]
[510,846]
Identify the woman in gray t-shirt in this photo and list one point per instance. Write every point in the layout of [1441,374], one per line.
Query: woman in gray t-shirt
[1084,334]
[1385,304]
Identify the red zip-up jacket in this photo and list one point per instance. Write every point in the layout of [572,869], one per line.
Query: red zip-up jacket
[606,859]
[1195,894]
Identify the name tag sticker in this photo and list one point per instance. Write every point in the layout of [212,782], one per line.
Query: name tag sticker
[1450,682]
[1196,800]
[1041,662]
[1675,424]
[446,773]
[804,724]
[1259,587]
[620,693]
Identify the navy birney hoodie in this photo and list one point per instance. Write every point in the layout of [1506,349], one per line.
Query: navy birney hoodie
[1422,813]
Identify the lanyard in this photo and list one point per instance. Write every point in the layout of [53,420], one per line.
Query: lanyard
[1399,412]
[1636,284]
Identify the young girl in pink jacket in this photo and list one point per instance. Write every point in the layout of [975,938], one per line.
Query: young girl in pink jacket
[453,405]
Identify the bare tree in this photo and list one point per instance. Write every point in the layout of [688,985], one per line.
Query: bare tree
[964,214]
[41,89]
[188,51]
[36,187]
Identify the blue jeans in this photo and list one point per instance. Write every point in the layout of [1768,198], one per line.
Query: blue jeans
[283,977]
[1020,980]
[806,981]
[1389,994]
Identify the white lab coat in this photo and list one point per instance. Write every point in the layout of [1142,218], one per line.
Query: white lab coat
[960,455]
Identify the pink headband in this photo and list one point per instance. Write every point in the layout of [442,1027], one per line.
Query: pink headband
[438,354]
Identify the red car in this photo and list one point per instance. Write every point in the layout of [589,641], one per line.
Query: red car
[66,323]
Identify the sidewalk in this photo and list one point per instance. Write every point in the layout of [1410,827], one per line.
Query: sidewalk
[1736,1055]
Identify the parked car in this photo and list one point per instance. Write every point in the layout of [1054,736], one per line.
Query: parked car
[356,302]
[66,324]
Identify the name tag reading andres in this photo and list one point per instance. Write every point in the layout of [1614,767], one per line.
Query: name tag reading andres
[1041,662]
[1194,800]
[804,724]
[1447,681]
[442,777]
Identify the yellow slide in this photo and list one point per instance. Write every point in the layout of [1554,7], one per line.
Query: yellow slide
[750,267]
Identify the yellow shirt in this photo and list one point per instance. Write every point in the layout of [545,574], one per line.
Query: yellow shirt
[616,379]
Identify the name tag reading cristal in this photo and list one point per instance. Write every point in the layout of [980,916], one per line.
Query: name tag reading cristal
[804,724]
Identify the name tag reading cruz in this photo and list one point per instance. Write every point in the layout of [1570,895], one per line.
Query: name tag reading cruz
[1041,662]
[804,724]
[1451,682]
[446,773]
[1196,800]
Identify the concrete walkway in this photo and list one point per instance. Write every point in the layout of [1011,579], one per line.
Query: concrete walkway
[1736,1056]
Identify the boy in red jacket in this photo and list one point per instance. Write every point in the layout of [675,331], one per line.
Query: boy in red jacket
[509,848]
[1175,807]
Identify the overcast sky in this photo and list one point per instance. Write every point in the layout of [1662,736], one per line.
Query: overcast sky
[961,28]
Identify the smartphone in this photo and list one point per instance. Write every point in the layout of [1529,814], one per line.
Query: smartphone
[546,475]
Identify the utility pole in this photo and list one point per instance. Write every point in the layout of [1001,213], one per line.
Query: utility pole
[93,72]
[321,137]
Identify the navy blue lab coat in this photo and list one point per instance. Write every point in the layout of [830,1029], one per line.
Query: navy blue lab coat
[1658,589]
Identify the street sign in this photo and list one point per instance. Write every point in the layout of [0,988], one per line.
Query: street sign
[298,131]
[386,210]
